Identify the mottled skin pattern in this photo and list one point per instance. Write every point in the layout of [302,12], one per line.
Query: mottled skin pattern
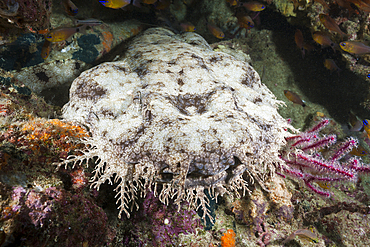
[175,115]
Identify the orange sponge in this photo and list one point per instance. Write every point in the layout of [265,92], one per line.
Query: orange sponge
[228,239]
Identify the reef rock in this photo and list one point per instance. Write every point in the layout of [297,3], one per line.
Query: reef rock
[178,118]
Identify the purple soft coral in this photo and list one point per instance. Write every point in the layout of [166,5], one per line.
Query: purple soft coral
[303,161]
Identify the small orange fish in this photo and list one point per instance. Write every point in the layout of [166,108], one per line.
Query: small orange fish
[293,97]
[323,185]
[330,24]
[63,33]
[148,1]
[359,151]
[232,2]
[331,65]
[245,21]
[347,5]
[254,6]
[163,4]
[217,32]
[323,39]
[308,47]
[70,7]
[299,40]
[115,4]
[44,31]
[45,50]
[354,47]
[362,5]
[187,27]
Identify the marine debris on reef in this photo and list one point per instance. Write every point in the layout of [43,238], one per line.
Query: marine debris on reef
[190,120]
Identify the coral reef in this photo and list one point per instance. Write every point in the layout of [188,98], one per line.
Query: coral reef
[166,221]
[28,15]
[40,206]
[18,102]
[253,211]
[189,119]
[50,216]
[43,206]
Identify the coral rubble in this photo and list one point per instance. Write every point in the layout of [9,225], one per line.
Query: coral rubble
[176,115]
